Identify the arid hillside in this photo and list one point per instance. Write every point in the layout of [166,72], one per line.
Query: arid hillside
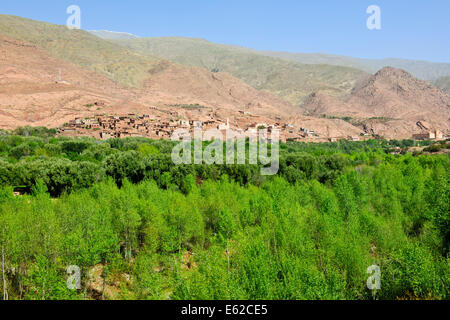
[389,103]
[81,49]
[50,75]
[39,89]
[172,83]
[289,80]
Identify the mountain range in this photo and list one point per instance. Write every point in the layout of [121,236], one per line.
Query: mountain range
[50,74]
[391,103]
[423,70]
[278,76]
[172,46]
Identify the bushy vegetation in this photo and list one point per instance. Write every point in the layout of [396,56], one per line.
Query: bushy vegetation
[154,230]
[437,147]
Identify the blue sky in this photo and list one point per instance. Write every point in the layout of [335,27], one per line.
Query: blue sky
[412,29]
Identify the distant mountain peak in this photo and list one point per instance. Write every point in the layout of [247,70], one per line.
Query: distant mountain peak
[398,80]
[391,72]
[388,103]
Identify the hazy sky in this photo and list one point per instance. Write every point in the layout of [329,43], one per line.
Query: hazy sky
[415,29]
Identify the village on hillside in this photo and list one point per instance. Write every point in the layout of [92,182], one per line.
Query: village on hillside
[105,127]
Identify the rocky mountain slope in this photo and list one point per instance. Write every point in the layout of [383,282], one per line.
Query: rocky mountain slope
[291,81]
[50,75]
[81,49]
[40,89]
[389,103]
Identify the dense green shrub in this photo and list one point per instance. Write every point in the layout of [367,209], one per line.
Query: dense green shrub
[165,231]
